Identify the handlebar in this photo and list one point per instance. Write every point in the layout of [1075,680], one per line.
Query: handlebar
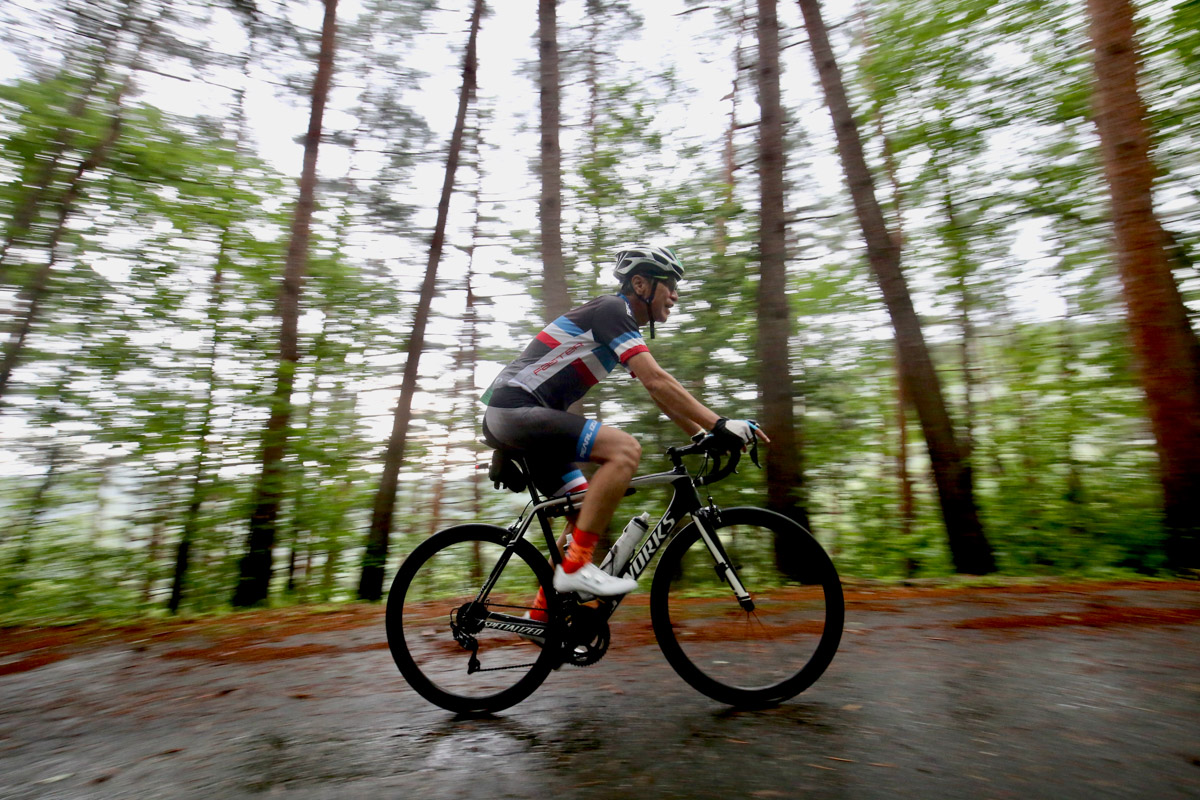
[708,446]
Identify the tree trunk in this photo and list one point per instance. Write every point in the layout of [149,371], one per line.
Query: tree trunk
[904,480]
[38,286]
[908,502]
[37,505]
[1068,374]
[596,241]
[254,568]
[157,533]
[370,585]
[969,547]
[216,302]
[470,352]
[556,298]
[1164,344]
[729,149]
[961,268]
[785,483]
[191,520]
[61,141]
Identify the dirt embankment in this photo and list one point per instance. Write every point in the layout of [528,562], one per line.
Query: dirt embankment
[258,636]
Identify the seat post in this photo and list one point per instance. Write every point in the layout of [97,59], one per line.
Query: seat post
[547,531]
[528,478]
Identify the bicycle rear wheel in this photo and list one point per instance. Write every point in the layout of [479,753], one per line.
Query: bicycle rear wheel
[759,657]
[445,644]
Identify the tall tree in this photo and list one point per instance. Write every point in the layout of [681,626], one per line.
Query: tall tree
[200,465]
[34,291]
[254,568]
[98,62]
[729,150]
[370,585]
[785,481]
[969,547]
[1166,347]
[63,206]
[555,297]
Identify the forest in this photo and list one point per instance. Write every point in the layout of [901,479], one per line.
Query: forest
[261,258]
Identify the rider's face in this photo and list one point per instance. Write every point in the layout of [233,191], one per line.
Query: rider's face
[665,297]
[664,300]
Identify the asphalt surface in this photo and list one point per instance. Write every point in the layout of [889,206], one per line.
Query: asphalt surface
[1065,693]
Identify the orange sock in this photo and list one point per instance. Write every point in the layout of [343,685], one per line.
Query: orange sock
[583,545]
[538,612]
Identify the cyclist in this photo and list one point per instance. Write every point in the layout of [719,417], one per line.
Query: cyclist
[527,407]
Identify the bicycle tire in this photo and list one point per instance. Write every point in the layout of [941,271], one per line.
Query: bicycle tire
[748,659]
[442,574]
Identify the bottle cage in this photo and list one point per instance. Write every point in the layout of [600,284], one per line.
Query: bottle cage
[506,472]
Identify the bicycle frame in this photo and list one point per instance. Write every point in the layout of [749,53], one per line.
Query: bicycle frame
[685,502]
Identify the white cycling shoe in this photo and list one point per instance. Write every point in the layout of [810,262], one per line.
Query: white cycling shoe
[591,580]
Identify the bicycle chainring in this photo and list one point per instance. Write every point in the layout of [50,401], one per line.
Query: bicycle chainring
[586,636]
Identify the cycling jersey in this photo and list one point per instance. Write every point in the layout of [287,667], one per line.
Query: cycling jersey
[571,354]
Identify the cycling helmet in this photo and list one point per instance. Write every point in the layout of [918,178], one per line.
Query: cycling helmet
[647,259]
[657,263]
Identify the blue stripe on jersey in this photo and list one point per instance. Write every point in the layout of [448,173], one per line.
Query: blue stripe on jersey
[568,326]
[606,357]
[624,337]
[587,438]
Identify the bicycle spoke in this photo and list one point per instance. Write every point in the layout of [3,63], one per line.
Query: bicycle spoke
[727,652]
[441,637]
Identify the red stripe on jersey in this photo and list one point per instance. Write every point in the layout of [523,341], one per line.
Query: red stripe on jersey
[633,351]
[547,339]
[584,373]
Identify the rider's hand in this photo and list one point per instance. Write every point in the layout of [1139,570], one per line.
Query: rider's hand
[737,433]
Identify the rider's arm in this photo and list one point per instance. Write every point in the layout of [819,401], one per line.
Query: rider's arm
[669,395]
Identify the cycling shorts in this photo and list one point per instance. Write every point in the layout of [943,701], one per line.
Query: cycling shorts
[553,442]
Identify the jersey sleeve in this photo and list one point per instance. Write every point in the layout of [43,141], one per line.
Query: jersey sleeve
[617,329]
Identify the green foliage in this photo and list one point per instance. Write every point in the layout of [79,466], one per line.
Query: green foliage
[134,417]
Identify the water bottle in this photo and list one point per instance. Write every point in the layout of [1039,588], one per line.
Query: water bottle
[618,556]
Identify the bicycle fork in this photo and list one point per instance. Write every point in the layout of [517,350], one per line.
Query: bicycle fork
[723,566]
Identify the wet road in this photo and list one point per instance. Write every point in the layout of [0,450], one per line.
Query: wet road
[1062,694]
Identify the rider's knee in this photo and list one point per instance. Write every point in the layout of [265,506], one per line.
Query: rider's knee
[629,453]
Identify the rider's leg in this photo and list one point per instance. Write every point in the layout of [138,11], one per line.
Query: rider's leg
[538,612]
[549,434]
[618,455]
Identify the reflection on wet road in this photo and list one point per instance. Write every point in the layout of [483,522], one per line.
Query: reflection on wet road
[920,702]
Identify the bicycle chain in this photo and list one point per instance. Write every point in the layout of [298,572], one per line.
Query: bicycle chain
[591,655]
[510,666]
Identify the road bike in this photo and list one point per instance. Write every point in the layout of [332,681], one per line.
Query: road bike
[744,603]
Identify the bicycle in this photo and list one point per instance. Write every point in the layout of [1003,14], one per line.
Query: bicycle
[745,604]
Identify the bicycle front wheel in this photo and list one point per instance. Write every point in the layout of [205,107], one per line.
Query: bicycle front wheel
[458,653]
[774,647]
